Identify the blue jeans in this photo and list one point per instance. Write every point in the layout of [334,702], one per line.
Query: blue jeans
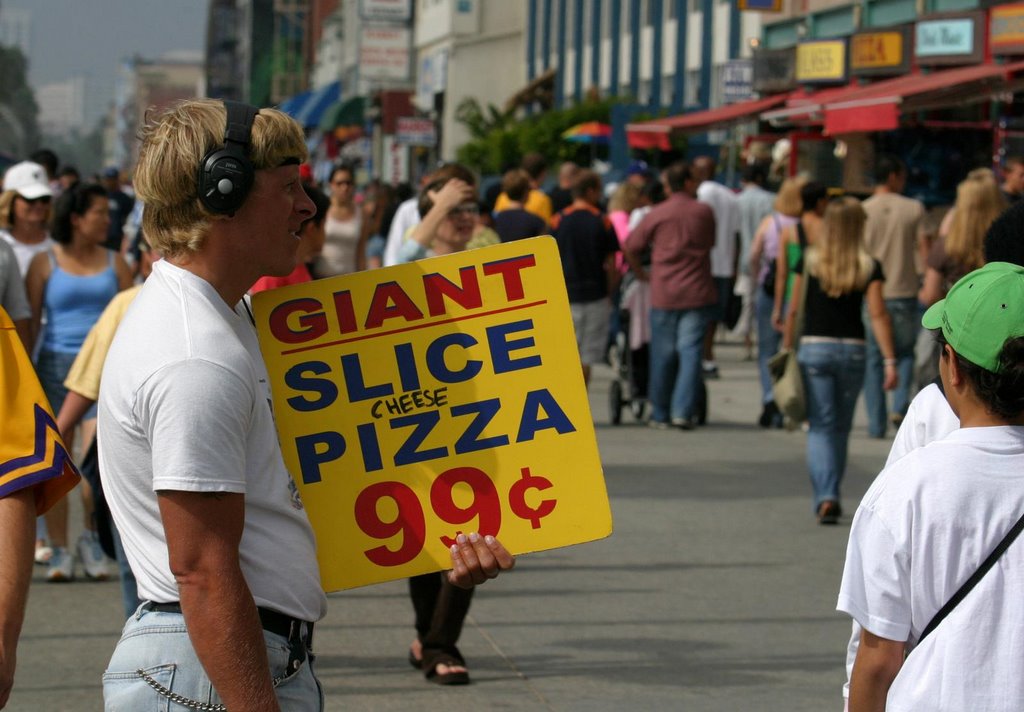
[768,340]
[677,339]
[906,321]
[157,643]
[833,375]
[52,368]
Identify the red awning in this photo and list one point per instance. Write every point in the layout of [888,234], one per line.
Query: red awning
[877,107]
[804,106]
[719,117]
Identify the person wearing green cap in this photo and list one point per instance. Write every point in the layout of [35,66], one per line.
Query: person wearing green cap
[931,518]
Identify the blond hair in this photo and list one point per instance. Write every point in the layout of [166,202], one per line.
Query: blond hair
[788,201]
[839,259]
[7,209]
[174,143]
[978,203]
[626,197]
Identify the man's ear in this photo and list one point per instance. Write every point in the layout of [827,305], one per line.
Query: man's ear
[956,373]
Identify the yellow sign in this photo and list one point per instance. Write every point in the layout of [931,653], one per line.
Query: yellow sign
[432,398]
[1007,28]
[823,61]
[875,50]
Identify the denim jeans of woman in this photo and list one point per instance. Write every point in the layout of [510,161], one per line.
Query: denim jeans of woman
[768,340]
[905,315]
[833,377]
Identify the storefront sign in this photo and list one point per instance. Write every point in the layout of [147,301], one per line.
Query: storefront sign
[737,80]
[774,70]
[1006,33]
[877,53]
[952,40]
[821,62]
[384,52]
[423,400]
[416,132]
[760,5]
[386,10]
[432,78]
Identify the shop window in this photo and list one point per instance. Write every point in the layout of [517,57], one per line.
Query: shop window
[884,13]
[692,87]
[833,23]
[952,5]
[782,34]
[672,9]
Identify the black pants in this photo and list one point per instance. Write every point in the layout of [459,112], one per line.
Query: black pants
[440,610]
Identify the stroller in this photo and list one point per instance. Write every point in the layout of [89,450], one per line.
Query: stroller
[629,356]
[628,353]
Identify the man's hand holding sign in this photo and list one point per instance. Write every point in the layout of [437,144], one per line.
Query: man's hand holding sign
[436,401]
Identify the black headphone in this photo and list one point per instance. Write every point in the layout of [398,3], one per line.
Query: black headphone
[226,173]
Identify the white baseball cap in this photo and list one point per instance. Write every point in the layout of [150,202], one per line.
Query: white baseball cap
[29,179]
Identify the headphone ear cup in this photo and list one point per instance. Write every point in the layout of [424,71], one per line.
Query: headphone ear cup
[225,178]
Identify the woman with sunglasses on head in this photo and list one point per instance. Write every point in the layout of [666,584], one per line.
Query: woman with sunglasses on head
[345,245]
[841,277]
[25,212]
[72,283]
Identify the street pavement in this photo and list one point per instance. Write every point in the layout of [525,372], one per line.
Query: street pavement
[716,591]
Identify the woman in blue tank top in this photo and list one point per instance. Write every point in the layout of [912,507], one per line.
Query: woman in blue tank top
[73,283]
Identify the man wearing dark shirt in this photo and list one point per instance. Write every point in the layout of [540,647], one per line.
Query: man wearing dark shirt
[515,222]
[561,194]
[587,244]
[120,204]
[680,233]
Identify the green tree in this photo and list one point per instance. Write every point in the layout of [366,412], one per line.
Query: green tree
[19,126]
[500,140]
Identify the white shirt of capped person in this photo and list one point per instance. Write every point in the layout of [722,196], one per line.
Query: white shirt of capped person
[185,405]
[922,529]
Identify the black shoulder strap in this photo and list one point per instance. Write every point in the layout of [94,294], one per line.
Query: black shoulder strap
[974,579]
[801,235]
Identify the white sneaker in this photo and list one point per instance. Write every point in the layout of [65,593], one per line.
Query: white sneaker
[44,552]
[90,553]
[61,565]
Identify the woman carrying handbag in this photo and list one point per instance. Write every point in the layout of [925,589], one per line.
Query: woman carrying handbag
[840,276]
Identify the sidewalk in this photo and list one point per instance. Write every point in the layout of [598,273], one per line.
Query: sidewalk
[716,592]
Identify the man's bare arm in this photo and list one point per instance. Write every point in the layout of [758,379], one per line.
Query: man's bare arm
[878,662]
[203,533]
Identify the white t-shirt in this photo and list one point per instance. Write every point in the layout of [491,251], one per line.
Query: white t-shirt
[726,207]
[922,529]
[24,252]
[406,216]
[185,405]
[929,418]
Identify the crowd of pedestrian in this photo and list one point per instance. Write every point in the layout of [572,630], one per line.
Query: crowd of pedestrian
[674,257]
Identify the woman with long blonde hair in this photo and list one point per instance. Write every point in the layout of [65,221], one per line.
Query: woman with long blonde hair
[959,250]
[840,276]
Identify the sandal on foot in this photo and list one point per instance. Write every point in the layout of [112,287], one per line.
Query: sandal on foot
[451,658]
[416,663]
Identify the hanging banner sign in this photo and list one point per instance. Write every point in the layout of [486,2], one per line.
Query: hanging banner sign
[821,62]
[950,40]
[432,398]
[1006,29]
[878,53]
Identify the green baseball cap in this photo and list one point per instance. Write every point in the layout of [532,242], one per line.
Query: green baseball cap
[981,312]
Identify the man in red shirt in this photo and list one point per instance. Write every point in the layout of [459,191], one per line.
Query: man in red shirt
[680,233]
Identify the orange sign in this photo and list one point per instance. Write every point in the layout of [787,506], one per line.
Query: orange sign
[1006,31]
[875,50]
